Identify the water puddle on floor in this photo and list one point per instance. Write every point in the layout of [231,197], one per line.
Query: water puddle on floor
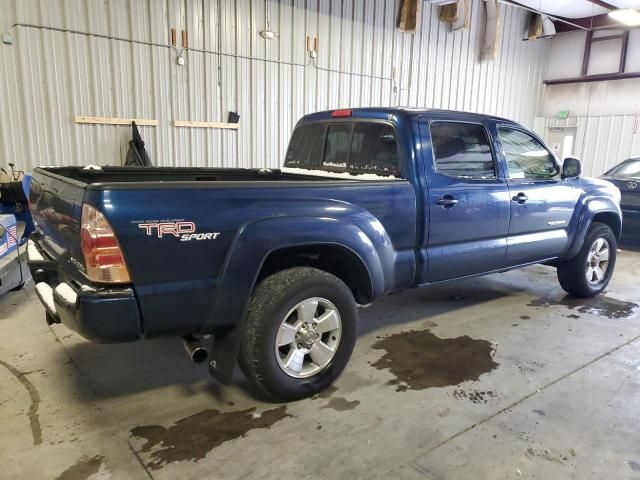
[341,404]
[193,437]
[420,360]
[84,468]
[601,305]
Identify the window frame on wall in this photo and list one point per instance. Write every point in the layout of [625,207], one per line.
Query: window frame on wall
[492,152]
[555,176]
[622,36]
[353,122]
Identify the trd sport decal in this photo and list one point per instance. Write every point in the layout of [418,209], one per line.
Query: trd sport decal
[185,231]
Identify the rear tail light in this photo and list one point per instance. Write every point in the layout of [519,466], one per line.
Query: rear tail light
[102,255]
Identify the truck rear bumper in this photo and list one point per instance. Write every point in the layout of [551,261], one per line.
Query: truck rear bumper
[102,315]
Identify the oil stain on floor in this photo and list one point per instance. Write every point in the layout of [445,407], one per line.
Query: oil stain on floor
[193,437]
[600,305]
[475,396]
[420,360]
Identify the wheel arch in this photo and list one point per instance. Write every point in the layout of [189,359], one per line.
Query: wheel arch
[337,259]
[265,243]
[611,219]
[594,209]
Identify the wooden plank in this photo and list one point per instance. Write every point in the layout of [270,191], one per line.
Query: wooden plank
[408,15]
[197,124]
[144,122]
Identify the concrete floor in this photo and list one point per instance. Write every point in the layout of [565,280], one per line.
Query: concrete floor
[495,377]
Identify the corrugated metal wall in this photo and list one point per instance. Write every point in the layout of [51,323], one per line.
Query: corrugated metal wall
[48,77]
[603,141]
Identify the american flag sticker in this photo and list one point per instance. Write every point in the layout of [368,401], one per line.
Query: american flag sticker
[11,241]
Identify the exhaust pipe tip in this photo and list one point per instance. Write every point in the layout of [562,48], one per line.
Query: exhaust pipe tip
[195,350]
[199,355]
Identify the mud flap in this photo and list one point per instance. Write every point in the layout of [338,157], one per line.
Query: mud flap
[223,352]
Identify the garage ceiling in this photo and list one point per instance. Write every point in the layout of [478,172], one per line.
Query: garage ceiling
[577,8]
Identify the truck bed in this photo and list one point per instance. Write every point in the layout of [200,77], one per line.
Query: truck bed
[144,175]
[222,207]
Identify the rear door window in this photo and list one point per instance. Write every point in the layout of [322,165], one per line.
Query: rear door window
[462,150]
[354,147]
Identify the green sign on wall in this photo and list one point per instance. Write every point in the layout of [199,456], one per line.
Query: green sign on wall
[562,114]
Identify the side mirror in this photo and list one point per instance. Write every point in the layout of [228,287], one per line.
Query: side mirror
[571,167]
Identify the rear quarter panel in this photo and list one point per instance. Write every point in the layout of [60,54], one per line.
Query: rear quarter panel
[178,282]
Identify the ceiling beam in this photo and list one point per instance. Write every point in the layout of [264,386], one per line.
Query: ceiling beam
[602,4]
[597,22]
[594,78]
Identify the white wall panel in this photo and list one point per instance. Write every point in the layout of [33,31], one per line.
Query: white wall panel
[614,97]
[48,76]
[600,141]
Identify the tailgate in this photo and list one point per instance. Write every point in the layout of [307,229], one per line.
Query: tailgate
[56,207]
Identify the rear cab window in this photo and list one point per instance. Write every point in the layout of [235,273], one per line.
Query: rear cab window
[356,148]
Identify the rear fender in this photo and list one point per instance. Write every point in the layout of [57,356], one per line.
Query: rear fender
[250,248]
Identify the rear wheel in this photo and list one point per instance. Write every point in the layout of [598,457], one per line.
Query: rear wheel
[299,333]
[589,272]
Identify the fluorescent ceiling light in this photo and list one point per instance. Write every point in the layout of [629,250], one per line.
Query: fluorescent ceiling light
[628,16]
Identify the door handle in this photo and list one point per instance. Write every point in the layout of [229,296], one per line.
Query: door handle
[520,198]
[447,201]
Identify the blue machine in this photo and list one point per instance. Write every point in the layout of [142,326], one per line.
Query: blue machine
[16,225]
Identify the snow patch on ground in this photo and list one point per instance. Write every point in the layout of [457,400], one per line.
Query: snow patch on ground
[67,293]
[345,175]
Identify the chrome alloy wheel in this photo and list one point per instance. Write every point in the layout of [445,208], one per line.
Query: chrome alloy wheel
[308,337]
[597,261]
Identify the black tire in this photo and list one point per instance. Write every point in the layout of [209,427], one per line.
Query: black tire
[572,274]
[270,303]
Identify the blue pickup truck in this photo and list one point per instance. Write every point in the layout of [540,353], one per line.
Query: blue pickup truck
[266,268]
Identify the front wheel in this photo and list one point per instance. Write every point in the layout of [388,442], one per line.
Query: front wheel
[589,272]
[299,333]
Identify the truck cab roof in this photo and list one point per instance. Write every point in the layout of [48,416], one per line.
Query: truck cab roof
[411,112]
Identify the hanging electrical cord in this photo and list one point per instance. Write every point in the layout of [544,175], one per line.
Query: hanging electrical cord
[181,51]
[150,44]
[314,62]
